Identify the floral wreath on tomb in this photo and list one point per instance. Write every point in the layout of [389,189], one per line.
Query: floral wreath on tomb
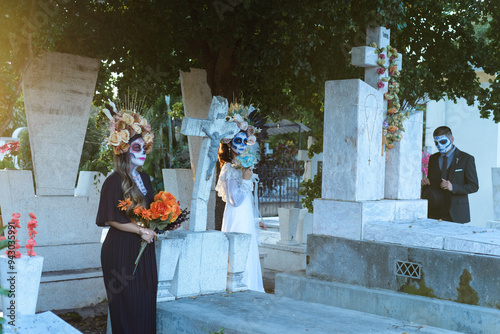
[392,128]
[125,124]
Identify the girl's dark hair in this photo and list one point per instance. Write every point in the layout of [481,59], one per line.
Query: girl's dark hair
[129,188]
[224,154]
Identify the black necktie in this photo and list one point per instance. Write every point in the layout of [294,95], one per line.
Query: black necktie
[444,168]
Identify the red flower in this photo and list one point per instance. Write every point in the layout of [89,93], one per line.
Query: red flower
[32,215]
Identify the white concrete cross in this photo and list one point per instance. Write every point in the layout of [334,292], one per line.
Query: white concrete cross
[213,129]
[365,56]
[311,165]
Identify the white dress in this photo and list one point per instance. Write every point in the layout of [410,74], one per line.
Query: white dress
[239,217]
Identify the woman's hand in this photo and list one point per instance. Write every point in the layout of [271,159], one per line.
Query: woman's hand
[247,174]
[147,234]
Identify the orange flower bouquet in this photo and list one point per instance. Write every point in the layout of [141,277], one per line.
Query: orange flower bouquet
[163,215]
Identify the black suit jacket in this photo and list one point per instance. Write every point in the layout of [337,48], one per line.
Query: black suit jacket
[463,177]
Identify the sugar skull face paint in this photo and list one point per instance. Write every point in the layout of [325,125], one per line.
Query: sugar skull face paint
[443,143]
[137,152]
[239,143]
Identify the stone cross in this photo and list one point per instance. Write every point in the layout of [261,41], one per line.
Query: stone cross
[365,56]
[311,165]
[213,130]
[402,161]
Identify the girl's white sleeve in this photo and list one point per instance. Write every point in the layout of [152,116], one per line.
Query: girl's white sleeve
[236,193]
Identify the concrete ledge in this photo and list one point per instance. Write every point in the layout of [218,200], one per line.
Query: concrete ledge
[255,312]
[46,322]
[432,312]
[284,257]
[70,289]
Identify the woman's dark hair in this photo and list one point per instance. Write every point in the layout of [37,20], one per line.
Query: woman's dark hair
[224,154]
[129,188]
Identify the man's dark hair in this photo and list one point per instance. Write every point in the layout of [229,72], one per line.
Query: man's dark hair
[442,131]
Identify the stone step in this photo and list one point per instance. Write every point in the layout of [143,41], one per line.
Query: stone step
[255,312]
[384,303]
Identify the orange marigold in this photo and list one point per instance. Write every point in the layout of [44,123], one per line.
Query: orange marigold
[123,205]
[137,210]
[146,214]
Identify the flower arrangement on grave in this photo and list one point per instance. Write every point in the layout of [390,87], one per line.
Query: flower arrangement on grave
[30,244]
[124,125]
[13,250]
[11,150]
[392,127]
[162,215]
[425,163]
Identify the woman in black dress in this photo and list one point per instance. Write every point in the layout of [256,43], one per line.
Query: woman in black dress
[131,297]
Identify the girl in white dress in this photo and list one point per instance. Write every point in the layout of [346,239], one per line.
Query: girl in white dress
[235,188]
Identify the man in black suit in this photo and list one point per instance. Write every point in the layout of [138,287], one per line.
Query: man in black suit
[452,176]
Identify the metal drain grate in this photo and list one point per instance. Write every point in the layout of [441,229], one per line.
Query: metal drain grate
[408,269]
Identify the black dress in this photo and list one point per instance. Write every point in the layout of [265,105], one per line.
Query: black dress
[131,298]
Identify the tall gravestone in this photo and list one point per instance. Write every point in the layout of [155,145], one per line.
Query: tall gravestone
[196,97]
[58,90]
[354,159]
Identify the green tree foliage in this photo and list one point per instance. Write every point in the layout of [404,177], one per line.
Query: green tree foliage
[278,53]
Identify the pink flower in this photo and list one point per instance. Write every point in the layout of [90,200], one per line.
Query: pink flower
[251,140]
[30,243]
[32,224]
[380,84]
[242,125]
[380,70]
[250,130]
[381,56]
[32,216]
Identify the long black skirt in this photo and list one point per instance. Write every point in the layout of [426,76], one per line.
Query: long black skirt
[131,298]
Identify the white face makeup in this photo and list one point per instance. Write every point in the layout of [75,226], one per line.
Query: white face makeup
[443,143]
[137,152]
[239,143]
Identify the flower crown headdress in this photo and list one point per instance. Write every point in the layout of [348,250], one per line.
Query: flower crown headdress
[124,125]
[248,120]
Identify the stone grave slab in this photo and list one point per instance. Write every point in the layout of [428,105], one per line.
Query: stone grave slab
[346,219]
[431,233]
